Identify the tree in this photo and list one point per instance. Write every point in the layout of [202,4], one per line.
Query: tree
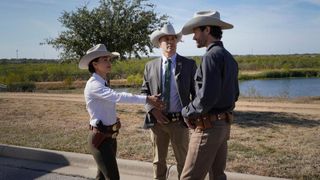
[122,25]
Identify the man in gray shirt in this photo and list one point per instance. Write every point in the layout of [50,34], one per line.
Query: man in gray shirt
[210,113]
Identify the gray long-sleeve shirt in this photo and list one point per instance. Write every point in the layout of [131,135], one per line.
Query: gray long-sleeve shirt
[216,82]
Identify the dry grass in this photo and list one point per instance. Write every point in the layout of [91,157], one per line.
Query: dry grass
[263,143]
[275,144]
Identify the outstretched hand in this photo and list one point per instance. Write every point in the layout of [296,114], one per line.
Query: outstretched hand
[156,102]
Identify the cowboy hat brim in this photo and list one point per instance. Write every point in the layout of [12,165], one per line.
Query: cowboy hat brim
[203,21]
[85,60]
[156,35]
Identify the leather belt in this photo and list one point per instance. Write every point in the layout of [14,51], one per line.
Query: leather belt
[112,135]
[109,131]
[206,121]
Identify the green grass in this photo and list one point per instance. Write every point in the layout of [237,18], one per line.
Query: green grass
[250,67]
[282,73]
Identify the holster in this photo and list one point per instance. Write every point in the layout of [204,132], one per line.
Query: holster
[206,121]
[101,134]
[98,139]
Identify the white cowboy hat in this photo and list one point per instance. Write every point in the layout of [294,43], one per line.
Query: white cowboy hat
[202,18]
[167,29]
[95,52]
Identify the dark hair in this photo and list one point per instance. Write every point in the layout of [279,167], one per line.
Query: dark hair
[90,66]
[215,31]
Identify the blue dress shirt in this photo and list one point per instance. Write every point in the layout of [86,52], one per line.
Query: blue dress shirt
[175,104]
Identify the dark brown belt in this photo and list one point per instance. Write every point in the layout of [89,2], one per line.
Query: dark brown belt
[110,134]
[109,131]
[206,121]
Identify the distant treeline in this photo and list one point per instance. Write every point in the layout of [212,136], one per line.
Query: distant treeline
[268,62]
[26,60]
[251,67]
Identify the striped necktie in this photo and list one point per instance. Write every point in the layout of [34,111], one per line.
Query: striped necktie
[167,78]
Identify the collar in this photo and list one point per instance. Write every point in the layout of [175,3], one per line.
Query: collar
[173,58]
[99,78]
[215,43]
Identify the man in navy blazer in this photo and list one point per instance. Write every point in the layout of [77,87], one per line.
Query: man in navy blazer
[172,76]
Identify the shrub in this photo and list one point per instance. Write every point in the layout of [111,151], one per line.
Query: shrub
[49,71]
[21,87]
[68,81]
[135,80]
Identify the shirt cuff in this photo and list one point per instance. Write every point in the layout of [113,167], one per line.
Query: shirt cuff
[144,99]
[93,122]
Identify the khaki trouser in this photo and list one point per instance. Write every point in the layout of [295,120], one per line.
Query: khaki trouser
[207,153]
[161,135]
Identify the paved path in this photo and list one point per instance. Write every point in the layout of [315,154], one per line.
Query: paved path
[31,163]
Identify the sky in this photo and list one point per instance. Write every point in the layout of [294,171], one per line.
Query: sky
[260,26]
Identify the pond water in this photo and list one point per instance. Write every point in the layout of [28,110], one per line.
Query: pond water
[288,88]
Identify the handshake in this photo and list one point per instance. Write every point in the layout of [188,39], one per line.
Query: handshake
[159,107]
[156,102]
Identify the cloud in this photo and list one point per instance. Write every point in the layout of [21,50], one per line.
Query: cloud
[41,2]
[314,2]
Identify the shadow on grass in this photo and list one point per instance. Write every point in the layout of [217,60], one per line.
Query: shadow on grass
[268,119]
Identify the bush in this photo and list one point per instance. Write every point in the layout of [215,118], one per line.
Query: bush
[68,81]
[135,80]
[21,87]
[254,62]
[281,74]
[272,66]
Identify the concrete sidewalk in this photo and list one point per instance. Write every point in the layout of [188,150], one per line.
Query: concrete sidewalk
[83,165]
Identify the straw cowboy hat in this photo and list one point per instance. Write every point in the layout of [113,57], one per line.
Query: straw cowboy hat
[95,52]
[202,18]
[167,29]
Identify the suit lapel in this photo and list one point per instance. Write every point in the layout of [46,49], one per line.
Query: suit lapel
[177,75]
[178,67]
[158,74]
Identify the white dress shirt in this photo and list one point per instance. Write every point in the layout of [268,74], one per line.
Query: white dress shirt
[101,100]
[175,104]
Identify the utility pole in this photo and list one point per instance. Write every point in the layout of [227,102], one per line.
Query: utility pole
[17,53]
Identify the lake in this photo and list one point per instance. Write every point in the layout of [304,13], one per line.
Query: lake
[290,88]
[287,88]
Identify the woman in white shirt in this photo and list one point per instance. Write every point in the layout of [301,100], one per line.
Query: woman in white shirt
[101,105]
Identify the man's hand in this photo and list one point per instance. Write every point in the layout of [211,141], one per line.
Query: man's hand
[156,102]
[189,124]
[160,117]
